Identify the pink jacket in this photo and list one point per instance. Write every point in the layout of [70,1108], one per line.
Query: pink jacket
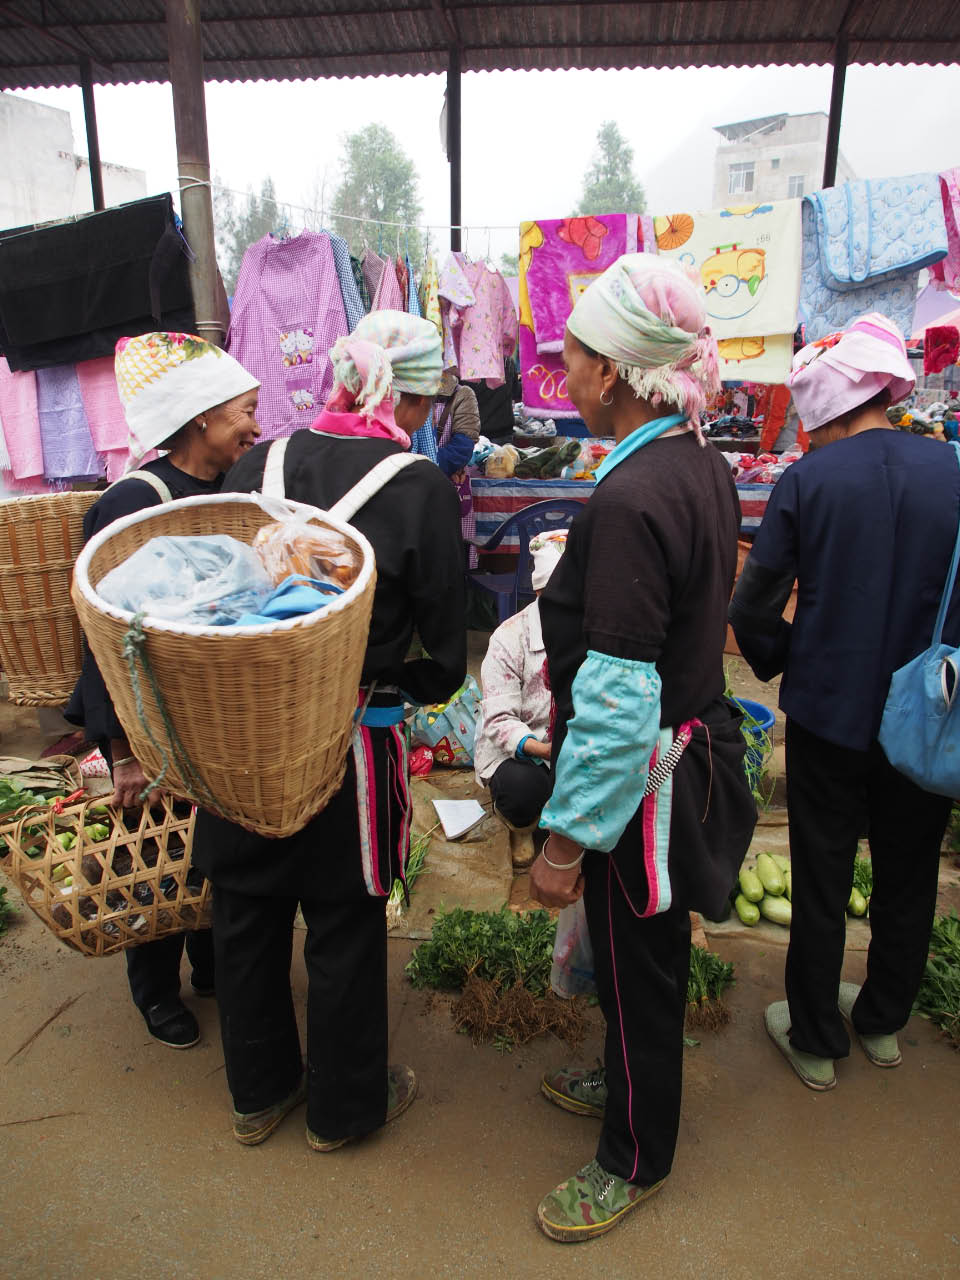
[516,699]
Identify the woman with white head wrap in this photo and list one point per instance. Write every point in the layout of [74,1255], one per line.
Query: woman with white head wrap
[634,619]
[865,525]
[186,397]
[340,868]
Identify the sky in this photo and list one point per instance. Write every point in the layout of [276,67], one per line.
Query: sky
[527,136]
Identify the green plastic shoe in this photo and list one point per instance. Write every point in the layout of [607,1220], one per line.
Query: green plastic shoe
[576,1089]
[882,1050]
[402,1086]
[589,1204]
[816,1073]
[255,1127]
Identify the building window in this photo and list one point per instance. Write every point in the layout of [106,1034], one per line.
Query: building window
[775,162]
[794,186]
[740,181]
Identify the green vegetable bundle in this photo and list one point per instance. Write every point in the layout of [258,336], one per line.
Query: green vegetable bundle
[939,996]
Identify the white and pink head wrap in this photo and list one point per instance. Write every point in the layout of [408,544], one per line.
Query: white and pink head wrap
[648,315]
[844,370]
[388,352]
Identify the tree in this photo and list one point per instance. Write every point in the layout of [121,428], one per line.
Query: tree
[509,264]
[380,183]
[237,229]
[609,185]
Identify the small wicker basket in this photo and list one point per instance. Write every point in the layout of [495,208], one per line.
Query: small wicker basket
[255,722]
[40,538]
[133,885]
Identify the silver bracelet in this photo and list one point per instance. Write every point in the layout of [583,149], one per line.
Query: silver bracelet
[125,760]
[560,866]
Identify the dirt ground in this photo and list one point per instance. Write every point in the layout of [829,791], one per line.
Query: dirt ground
[117,1157]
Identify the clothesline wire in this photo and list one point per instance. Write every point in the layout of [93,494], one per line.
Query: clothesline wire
[186,183]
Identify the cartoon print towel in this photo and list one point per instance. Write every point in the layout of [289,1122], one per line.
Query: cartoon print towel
[558,260]
[748,260]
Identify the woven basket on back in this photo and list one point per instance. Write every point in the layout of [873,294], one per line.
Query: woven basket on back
[109,891]
[40,538]
[261,716]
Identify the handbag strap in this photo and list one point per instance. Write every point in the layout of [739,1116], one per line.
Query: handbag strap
[951,575]
[353,499]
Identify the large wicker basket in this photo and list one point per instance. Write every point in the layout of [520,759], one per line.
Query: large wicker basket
[106,894]
[255,722]
[40,538]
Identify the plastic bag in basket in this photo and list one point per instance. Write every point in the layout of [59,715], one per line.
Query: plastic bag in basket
[291,545]
[211,580]
[450,728]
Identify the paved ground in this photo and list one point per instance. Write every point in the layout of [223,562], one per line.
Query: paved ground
[117,1159]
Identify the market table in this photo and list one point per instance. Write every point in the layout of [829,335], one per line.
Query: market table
[496,500]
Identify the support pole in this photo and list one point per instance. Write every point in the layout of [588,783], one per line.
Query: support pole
[453,145]
[836,111]
[93,138]
[193,163]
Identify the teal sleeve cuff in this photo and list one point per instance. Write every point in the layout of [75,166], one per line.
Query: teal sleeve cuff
[520,753]
[602,767]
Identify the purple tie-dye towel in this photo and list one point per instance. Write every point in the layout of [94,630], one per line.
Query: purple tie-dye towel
[558,259]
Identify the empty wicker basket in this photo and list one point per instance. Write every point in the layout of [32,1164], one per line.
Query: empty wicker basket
[40,538]
[255,722]
[121,884]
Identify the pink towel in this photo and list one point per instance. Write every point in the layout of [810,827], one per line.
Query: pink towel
[98,389]
[21,422]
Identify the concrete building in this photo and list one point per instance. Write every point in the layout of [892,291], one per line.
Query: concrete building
[41,176]
[772,158]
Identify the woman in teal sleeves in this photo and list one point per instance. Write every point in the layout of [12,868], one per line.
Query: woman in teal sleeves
[650,814]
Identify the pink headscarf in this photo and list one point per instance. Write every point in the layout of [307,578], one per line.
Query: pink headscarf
[844,370]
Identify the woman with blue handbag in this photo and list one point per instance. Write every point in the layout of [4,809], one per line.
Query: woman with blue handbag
[866,526]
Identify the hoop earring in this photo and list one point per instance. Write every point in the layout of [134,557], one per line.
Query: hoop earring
[606,403]
[203,426]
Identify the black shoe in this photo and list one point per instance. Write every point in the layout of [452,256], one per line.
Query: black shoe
[202,984]
[172,1023]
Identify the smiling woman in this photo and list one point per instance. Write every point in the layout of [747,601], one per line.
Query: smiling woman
[194,401]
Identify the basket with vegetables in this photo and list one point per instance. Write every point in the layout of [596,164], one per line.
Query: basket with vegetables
[104,879]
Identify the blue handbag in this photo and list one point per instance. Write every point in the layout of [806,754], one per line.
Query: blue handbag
[920,730]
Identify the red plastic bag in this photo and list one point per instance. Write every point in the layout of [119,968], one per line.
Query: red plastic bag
[421,761]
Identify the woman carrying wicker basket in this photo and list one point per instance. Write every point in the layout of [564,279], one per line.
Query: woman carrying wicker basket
[340,867]
[195,402]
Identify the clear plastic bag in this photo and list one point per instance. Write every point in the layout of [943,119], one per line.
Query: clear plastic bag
[292,545]
[572,972]
[211,580]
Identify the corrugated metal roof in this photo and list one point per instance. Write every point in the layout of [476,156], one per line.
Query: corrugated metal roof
[41,41]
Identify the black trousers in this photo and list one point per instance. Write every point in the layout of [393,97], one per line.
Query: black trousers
[346,958]
[641,973]
[153,970]
[834,794]
[520,789]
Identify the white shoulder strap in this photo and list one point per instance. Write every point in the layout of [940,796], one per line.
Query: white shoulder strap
[372,483]
[273,486]
[153,481]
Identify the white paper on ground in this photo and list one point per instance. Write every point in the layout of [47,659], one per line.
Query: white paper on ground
[457,817]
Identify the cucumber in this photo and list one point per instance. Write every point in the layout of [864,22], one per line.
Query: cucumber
[782,862]
[857,906]
[777,909]
[746,910]
[788,882]
[771,877]
[750,885]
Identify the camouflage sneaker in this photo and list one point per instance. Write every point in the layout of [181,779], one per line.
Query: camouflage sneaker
[401,1091]
[588,1204]
[576,1089]
[255,1127]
